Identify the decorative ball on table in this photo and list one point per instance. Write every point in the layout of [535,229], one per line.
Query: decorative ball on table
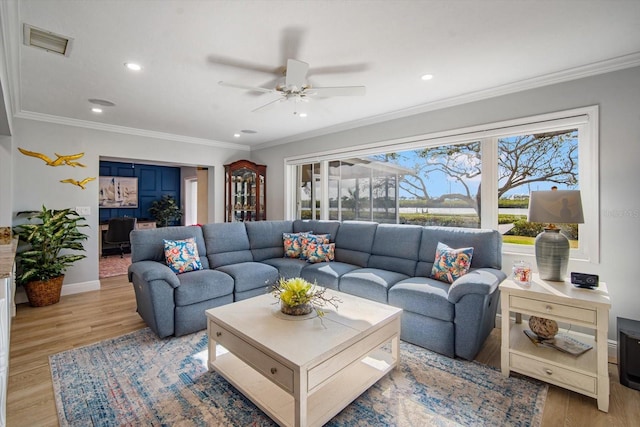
[543,328]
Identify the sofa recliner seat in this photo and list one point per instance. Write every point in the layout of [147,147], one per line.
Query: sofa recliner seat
[383,262]
[353,242]
[393,258]
[229,251]
[169,303]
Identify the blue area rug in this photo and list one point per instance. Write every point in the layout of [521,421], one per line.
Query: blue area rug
[138,379]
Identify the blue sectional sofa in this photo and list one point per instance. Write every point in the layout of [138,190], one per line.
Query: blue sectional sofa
[382,262]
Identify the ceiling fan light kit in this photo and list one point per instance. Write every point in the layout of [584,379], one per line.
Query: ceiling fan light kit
[296,88]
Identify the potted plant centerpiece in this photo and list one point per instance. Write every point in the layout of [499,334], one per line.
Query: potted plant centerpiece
[165,210]
[41,265]
[298,297]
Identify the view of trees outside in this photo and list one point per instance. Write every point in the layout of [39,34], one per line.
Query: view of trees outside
[441,185]
[534,162]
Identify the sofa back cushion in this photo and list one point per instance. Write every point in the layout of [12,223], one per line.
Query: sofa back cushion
[227,243]
[486,244]
[318,227]
[265,238]
[395,248]
[354,241]
[148,244]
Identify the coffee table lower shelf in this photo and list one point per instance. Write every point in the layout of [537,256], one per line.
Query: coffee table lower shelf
[323,403]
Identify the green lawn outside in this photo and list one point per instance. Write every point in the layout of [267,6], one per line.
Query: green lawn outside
[521,240]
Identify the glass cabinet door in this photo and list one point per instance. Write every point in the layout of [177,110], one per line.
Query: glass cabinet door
[245,187]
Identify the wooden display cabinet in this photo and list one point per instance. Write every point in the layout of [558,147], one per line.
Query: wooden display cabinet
[245,191]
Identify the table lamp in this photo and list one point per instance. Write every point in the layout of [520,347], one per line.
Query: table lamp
[552,247]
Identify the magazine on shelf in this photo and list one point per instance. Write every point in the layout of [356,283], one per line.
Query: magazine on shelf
[562,342]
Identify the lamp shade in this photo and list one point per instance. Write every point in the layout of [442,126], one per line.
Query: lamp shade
[552,248]
[556,206]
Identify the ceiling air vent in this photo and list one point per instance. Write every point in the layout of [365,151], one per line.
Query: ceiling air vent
[43,39]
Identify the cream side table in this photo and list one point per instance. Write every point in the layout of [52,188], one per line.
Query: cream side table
[561,301]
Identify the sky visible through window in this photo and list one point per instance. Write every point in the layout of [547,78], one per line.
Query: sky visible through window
[527,163]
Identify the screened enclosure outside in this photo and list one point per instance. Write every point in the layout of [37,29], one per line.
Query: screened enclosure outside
[360,189]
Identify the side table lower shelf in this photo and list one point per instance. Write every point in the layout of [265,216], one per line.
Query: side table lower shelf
[576,373]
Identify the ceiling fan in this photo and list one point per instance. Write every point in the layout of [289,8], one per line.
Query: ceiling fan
[296,88]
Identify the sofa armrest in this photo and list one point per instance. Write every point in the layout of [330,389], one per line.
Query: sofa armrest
[153,270]
[482,281]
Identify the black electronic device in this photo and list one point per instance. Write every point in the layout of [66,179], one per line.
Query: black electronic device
[584,280]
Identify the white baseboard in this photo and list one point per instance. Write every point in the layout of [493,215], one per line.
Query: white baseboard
[69,289]
[612,345]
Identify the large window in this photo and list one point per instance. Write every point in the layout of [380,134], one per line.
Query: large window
[533,162]
[474,177]
[439,185]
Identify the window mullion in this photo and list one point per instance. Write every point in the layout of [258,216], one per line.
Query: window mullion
[324,190]
[489,183]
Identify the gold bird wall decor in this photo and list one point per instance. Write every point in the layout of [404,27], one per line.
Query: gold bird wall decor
[62,160]
[82,184]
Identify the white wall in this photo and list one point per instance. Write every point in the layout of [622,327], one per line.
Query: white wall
[618,96]
[5,181]
[35,183]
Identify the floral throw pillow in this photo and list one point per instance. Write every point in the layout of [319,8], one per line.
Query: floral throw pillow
[320,252]
[451,263]
[293,244]
[182,255]
[316,239]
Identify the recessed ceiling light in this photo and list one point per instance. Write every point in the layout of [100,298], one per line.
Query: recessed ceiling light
[133,66]
[96,110]
[303,114]
[427,77]
[236,135]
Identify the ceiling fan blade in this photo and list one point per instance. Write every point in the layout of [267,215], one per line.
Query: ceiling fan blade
[339,69]
[267,104]
[290,42]
[245,65]
[337,91]
[252,88]
[296,73]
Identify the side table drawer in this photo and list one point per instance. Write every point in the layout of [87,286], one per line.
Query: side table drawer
[266,365]
[570,313]
[554,374]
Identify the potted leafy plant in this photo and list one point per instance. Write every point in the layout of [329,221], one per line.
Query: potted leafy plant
[298,297]
[165,210]
[42,264]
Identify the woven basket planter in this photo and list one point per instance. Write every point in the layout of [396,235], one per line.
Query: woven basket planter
[41,293]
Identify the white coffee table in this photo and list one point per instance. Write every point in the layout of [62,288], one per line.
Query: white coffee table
[302,372]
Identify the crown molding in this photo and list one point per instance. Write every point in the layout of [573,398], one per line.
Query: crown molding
[29,115]
[596,68]
[9,25]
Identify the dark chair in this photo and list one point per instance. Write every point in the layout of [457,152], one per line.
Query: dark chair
[118,232]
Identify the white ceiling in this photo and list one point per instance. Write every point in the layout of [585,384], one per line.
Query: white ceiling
[474,49]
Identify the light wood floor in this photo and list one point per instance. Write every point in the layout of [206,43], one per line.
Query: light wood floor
[90,317]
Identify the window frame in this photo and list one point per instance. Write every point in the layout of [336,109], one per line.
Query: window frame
[585,119]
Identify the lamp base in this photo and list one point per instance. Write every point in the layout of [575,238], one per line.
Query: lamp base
[552,255]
